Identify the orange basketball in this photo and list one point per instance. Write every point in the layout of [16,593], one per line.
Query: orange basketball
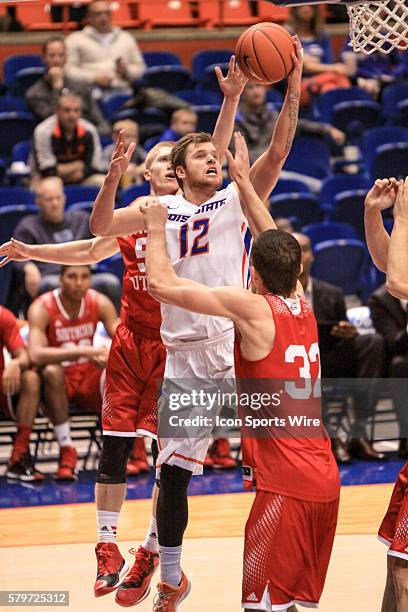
[263,52]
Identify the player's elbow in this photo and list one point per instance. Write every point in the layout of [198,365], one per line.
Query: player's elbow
[157,288]
[98,227]
[397,288]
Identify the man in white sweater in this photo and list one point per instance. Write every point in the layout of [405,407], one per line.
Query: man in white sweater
[101,54]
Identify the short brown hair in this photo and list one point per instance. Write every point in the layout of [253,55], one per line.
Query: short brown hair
[49,41]
[179,152]
[277,257]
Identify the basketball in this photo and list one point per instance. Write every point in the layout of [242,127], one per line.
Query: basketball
[264,51]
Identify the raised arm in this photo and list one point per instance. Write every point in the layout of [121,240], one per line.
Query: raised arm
[105,220]
[69,253]
[258,217]
[381,196]
[266,170]
[164,284]
[397,267]
[232,87]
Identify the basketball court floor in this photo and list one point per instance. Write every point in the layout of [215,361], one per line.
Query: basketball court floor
[47,536]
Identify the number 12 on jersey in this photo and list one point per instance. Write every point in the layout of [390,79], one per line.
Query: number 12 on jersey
[198,247]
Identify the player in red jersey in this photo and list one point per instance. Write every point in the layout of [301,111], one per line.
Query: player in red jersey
[137,352]
[294,514]
[391,256]
[19,397]
[62,327]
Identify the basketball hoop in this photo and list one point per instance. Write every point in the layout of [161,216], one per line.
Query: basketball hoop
[378,26]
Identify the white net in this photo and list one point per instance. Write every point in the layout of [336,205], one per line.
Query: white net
[378,26]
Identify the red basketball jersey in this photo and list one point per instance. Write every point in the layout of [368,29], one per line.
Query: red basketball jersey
[292,457]
[9,335]
[65,332]
[137,305]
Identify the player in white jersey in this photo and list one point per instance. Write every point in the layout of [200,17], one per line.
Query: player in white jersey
[196,350]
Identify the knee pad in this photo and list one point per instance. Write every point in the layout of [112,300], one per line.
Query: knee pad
[114,457]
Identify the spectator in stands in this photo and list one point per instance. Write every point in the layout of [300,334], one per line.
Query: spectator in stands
[102,55]
[389,315]
[135,171]
[321,72]
[256,121]
[67,146]
[42,97]
[62,327]
[344,354]
[19,397]
[55,225]
[183,121]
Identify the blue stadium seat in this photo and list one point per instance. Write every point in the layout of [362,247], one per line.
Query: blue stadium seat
[9,196]
[14,63]
[275,97]
[375,137]
[10,216]
[134,191]
[5,282]
[80,193]
[209,57]
[391,98]
[324,104]
[113,103]
[304,206]
[161,58]
[208,80]
[403,112]
[23,79]
[342,263]
[329,230]
[309,156]
[349,208]
[199,97]
[390,160]
[14,127]
[170,78]
[207,117]
[355,116]
[333,185]
[150,142]
[13,103]
[86,206]
[290,186]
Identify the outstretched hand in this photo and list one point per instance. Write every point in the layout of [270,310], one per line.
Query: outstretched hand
[14,250]
[155,213]
[382,194]
[401,202]
[120,159]
[295,76]
[239,165]
[233,84]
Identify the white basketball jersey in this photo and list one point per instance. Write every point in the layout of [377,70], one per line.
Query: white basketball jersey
[210,246]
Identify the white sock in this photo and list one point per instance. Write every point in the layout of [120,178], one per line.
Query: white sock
[170,568]
[107,525]
[63,434]
[151,540]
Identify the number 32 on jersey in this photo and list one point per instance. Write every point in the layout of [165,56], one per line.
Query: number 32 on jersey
[303,391]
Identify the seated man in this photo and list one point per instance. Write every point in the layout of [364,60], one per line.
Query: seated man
[134,174]
[19,397]
[183,121]
[67,146]
[62,328]
[54,225]
[344,354]
[42,96]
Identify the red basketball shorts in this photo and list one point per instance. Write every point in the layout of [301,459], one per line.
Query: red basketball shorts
[133,378]
[288,543]
[84,386]
[394,528]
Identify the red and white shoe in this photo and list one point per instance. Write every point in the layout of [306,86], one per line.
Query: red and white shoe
[67,464]
[138,460]
[136,585]
[168,598]
[111,567]
[220,453]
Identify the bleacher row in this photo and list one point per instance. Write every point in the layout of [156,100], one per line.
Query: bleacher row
[148,14]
